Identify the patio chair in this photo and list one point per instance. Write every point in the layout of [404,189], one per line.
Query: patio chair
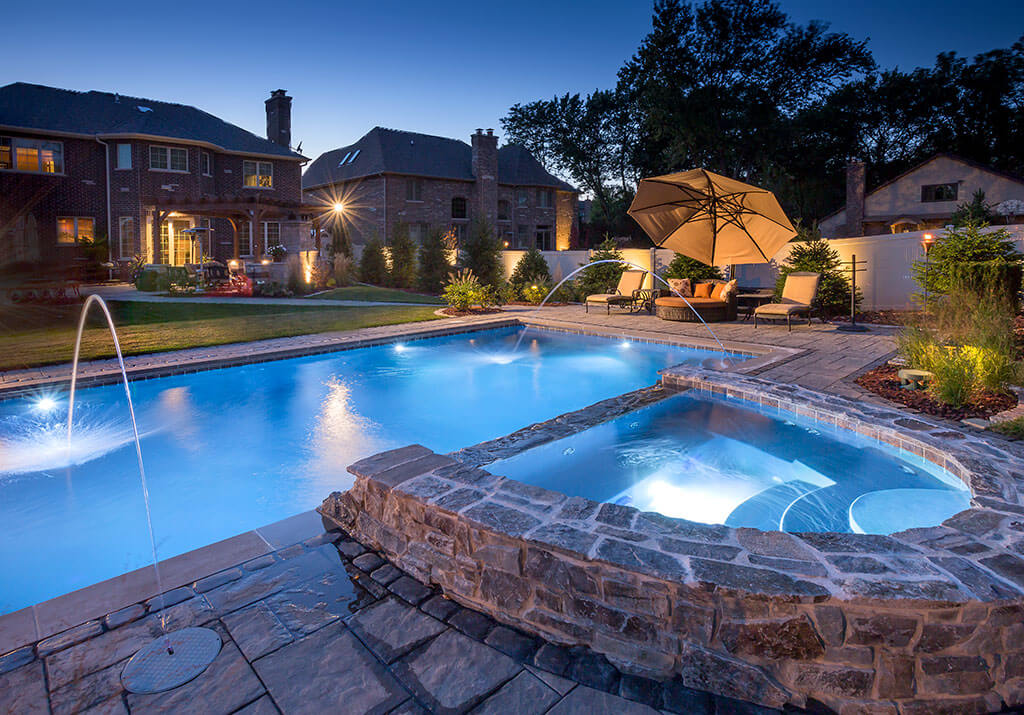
[798,295]
[626,293]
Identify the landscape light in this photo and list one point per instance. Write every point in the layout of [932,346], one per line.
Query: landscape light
[927,241]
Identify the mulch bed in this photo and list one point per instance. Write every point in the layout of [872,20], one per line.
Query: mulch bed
[883,382]
[452,313]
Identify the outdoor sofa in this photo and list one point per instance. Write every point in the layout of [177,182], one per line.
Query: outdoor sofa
[714,300]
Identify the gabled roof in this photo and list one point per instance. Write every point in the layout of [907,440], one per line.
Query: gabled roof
[392,151]
[929,160]
[35,107]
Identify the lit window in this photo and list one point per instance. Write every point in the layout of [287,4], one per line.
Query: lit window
[544,199]
[258,174]
[71,230]
[414,189]
[32,155]
[504,212]
[939,192]
[124,156]
[522,197]
[207,165]
[163,158]
[458,207]
[126,235]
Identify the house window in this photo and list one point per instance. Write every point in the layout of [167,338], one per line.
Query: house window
[245,239]
[504,213]
[271,235]
[522,197]
[939,192]
[206,163]
[414,189]
[32,155]
[522,237]
[544,198]
[458,207]
[165,158]
[258,174]
[544,238]
[126,236]
[418,233]
[124,156]
[71,230]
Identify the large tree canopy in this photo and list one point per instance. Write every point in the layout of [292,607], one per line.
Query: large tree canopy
[736,87]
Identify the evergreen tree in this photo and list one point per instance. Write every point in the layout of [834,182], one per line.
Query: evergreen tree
[977,211]
[817,256]
[686,267]
[403,257]
[481,253]
[602,278]
[434,265]
[373,267]
[340,242]
[531,269]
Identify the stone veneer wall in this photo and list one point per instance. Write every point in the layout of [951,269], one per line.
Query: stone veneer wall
[927,620]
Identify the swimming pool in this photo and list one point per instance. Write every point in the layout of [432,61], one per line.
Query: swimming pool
[233,449]
[724,461]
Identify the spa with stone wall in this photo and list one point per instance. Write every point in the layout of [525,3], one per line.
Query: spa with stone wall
[923,621]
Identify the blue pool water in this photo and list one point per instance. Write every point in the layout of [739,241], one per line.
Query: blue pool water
[722,461]
[231,450]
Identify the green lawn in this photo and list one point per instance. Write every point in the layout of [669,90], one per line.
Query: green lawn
[43,335]
[383,295]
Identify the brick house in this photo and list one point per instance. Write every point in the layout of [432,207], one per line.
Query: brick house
[921,198]
[75,166]
[391,176]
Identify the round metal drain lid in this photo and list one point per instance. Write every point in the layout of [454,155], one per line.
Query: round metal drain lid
[154,670]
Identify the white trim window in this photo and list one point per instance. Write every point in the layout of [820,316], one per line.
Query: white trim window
[126,236]
[74,229]
[258,174]
[31,156]
[271,235]
[124,156]
[207,163]
[168,158]
[245,239]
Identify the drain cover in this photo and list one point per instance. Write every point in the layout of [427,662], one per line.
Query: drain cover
[153,669]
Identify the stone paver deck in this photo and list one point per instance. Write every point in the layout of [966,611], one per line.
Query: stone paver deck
[320,624]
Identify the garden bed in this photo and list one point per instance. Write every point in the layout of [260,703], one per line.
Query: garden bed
[453,313]
[883,382]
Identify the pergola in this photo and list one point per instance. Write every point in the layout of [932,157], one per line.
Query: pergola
[235,209]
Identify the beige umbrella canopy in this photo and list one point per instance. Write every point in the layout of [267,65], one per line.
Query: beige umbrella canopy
[712,218]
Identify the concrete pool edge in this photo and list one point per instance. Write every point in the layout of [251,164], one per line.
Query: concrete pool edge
[924,618]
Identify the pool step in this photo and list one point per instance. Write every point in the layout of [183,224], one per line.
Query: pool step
[765,510]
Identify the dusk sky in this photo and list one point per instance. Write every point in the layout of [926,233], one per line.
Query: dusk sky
[444,67]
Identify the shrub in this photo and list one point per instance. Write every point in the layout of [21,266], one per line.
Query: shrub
[504,294]
[817,256]
[373,267]
[434,265]
[344,267]
[686,267]
[605,277]
[531,268]
[977,210]
[278,252]
[1002,279]
[153,281]
[969,243]
[296,280]
[340,243]
[464,291]
[535,293]
[319,274]
[403,257]
[481,254]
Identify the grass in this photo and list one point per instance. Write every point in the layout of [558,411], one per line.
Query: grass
[43,335]
[383,295]
[1011,428]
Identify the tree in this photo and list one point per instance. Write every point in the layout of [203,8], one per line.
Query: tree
[530,269]
[686,267]
[481,253]
[373,267]
[968,243]
[977,211]
[340,242]
[602,278]
[434,265]
[815,255]
[403,257]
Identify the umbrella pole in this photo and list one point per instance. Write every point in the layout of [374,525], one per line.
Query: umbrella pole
[852,326]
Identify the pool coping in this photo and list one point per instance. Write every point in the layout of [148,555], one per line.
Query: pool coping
[790,616]
[16,383]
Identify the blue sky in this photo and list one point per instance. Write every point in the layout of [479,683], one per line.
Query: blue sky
[443,67]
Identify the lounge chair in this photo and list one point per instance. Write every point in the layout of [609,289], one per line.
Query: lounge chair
[626,293]
[798,295]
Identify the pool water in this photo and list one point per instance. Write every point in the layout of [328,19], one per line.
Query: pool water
[234,449]
[724,461]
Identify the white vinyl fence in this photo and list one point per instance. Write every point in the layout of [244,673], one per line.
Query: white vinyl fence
[885,280]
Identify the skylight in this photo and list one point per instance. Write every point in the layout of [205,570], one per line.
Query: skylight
[354,155]
[344,159]
[143,109]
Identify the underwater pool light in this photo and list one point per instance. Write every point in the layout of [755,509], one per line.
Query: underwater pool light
[400,348]
[45,404]
[625,344]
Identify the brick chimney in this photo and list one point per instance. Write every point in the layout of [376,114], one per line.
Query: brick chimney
[855,187]
[279,118]
[485,171]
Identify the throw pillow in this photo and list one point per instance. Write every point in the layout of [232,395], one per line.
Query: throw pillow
[731,289]
[703,290]
[681,286]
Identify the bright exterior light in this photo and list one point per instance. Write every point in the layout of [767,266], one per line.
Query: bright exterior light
[624,344]
[265,261]
[400,348]
[534,286]
[233,263]
[46,404]
[927,240]
[339,207]
[506,244]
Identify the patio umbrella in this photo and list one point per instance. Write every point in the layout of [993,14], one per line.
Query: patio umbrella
[712,218]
